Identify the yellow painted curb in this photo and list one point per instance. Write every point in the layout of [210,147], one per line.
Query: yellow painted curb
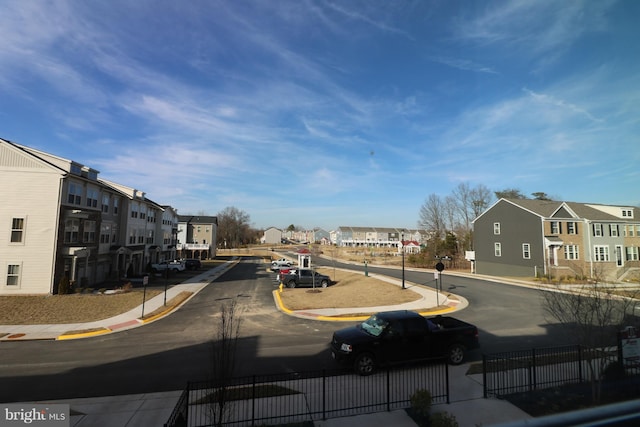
[284,309]
[157,316]
[73,336]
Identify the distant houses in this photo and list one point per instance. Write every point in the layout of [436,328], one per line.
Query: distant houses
[350,236]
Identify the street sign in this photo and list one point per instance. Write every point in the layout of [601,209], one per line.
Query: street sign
[440,266]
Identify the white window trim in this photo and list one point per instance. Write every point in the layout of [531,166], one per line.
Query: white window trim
[572,255]
[497,249]
[605,253]
[526,253]
[6,275]
[496,228]
[24,230]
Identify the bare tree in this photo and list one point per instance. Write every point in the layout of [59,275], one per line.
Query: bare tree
[233,227]
[432,216]
[223,359]
[594,313]
[481,198]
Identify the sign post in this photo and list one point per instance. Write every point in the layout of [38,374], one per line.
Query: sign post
[145,281]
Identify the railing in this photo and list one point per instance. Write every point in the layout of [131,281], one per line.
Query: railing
[306,396]
[527,370]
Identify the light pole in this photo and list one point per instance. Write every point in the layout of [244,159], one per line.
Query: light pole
[402,244]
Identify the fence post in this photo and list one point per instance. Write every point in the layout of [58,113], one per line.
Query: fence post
[388,389]
[446,370]
[253,400]
[580,363]
[533,369]
[324,394]
[484,375]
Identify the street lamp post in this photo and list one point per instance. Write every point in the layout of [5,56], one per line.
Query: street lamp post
[402,243]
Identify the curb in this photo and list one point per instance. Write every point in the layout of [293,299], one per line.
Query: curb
[346,318]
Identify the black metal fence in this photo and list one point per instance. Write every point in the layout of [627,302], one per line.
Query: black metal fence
[527,370]
[307,396]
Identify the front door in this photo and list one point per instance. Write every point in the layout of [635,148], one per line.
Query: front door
[619,259]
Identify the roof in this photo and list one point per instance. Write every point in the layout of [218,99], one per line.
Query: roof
[589,211]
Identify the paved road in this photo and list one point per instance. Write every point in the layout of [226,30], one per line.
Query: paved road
[508,317]
[164,355]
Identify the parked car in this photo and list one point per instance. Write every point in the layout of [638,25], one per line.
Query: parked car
[192,264]
[280,263]
[305,277]
[400,336]
[174,265]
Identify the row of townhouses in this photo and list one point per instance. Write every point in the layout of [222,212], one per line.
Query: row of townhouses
[374,237]
[59,219]
[522,237]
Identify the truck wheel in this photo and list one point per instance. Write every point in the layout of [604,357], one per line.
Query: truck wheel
[456,354]
[365,364]
[291,284]
[324,283]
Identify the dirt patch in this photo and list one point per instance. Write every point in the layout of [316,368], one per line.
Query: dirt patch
[352,289]
[75,308]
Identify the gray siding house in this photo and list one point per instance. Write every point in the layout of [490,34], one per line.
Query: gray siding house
[522,237]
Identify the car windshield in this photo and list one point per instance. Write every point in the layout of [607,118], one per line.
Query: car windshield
[374,325]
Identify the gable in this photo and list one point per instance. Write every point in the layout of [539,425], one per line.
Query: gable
[562,213]
[12,157]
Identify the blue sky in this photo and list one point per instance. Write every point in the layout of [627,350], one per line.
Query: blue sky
[329,113]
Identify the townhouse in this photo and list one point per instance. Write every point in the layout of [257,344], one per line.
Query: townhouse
[197,236]
[523,237]
[377,236]
[60,220]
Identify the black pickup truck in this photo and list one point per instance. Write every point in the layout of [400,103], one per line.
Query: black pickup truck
[401,336]
[304,277]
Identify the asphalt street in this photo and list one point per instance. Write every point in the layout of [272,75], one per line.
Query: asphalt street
[164,355]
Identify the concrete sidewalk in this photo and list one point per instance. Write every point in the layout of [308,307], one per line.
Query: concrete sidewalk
[121,322]
[153,409]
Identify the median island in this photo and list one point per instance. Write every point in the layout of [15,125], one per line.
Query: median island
[350,289]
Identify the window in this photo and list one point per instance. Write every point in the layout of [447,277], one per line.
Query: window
[105,203]
[613,230]
[632,253]
[143,213]
[134,211]
[526,251]
[71,230]
[149,236]
[116,203]
[17,230]
[13,275]
[572,227]
[497,249]
[601,253]
[92,198]
[132,237]
[556,227]
[571,252]
[74,194]
[89,235]
[627,213]
[496,228]
[597,230]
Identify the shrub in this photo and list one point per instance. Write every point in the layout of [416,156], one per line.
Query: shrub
[64,287]
[421,406]
[443,419]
